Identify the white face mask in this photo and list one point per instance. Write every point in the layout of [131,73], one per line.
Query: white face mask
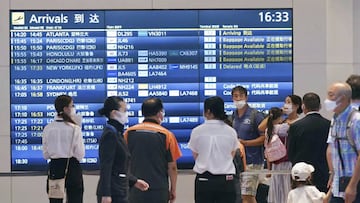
[122,117]
[240,104]
[287,109]
[330,105]
[72,112]
[161,120]
[78,119]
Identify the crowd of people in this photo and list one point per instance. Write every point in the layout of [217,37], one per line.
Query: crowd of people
[138,164]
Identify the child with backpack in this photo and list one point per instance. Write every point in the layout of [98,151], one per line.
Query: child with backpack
[276,134]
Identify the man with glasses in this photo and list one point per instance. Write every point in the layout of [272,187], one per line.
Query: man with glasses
[154,151]
[344,145]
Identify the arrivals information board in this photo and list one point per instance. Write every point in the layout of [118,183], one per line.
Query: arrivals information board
[181,56]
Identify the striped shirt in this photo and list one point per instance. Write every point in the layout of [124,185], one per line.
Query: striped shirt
[338,130]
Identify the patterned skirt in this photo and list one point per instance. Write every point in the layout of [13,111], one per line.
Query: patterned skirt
[280,184]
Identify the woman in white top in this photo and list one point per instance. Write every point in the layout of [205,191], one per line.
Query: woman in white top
[213,144]
[63,144]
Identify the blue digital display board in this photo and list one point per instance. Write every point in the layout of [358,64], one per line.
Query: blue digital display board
[181,56]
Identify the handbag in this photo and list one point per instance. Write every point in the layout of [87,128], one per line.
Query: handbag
[57,186]
[275,149]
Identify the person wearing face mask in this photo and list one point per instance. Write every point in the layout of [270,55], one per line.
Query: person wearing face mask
[307,140]
[343,145]
[63,144]
[114,156]
[154,150]
[245,122]
[292,108]
[76,117]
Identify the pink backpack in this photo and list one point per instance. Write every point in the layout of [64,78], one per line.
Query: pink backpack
[275,149]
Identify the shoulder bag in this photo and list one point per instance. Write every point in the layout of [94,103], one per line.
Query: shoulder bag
[57,186]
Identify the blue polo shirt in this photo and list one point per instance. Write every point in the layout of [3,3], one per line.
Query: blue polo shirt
[249,131]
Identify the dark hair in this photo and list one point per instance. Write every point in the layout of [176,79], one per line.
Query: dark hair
[311,101]
[60,103]
[151,106]
[241,89]
[274,113]
[111,103]
[354,82]
[295,99]
[295,183]
[215,105]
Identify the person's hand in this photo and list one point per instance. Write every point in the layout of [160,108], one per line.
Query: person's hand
[172,196]
[329,184]
[142,185]
[350,194]
[106,200]
[327,196]
[243,142]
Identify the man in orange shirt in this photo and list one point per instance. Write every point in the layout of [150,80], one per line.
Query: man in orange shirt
[154,151]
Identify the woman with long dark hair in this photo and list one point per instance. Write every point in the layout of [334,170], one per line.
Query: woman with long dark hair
[63,144]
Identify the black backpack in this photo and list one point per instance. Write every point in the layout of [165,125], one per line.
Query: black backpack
[238,162]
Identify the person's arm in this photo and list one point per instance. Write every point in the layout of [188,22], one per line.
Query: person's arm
[106,200]
[46,154]
[192,145]
[269,167]
[141,185]
[243,155]
[254,142]
[106,155]
[327,196]
[290,196]
[351,189]
[195,155]
[172,171]
[330,165]
[263,125]
[79,151]
[132,179]
[290,145]
[259,141]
